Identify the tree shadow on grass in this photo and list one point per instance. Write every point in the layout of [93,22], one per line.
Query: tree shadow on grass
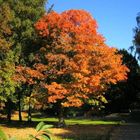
[85,132]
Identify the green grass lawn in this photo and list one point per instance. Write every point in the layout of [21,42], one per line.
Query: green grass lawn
[76,129]
[78,121]
[83,129]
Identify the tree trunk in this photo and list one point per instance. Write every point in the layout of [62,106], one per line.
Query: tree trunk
[29,111]
[29,104]
[9,109]
[19,106]
[61,121]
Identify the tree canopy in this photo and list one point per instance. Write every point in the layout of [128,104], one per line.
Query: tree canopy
[76,63]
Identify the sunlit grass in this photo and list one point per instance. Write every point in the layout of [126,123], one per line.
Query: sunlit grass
[77,128]
[79,121]
[71,121]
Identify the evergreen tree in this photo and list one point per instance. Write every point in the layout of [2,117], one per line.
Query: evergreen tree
[7,65]
[18,40]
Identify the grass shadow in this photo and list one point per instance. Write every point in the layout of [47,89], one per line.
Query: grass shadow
[88,132]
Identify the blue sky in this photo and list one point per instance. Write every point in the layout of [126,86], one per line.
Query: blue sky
[115,18]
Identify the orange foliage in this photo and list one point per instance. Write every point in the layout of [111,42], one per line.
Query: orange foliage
[77,62]
[28,75]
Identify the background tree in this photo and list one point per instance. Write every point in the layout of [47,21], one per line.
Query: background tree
[136,40]
[7,65]
[123,95]
[21,17]
[75,61]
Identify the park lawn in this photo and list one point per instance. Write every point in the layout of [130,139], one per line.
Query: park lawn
[78,121]
[74,132]
[38,117]
[77,129]
[82,129]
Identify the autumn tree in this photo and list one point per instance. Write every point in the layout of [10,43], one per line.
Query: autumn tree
[30,78]
[75,63]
